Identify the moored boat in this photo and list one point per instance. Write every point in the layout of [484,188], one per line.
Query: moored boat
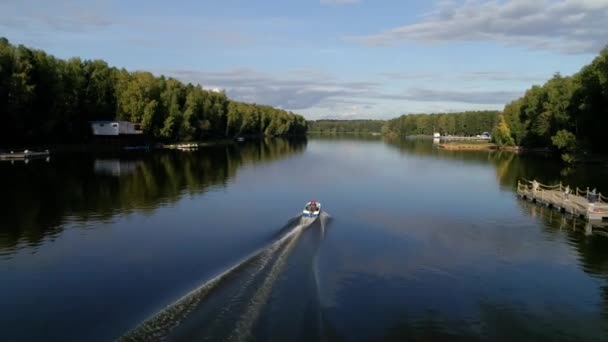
[187,147]
[311,211]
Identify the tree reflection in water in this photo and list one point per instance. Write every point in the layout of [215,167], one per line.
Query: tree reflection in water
[38,197]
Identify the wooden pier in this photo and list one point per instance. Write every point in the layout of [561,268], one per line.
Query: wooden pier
[23,155]
[583,203]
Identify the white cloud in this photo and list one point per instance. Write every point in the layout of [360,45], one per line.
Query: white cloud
[315,90]
[568,26]
[461,96]
[61,15]
[297,89]
[499,76]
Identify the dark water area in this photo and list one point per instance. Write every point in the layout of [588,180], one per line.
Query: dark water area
[416,243]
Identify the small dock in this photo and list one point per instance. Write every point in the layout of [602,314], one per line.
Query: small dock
[183,147]
[23,155]
[583,203]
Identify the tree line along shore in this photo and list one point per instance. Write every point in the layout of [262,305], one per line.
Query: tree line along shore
[46,100]
[567,115]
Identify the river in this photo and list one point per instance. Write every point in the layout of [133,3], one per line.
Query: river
[415,243]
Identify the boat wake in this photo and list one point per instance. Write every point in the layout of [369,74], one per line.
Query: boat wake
[228,306]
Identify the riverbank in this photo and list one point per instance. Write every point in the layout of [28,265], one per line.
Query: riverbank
[93,145]
[485,146]
[579,159]
[469,146]
[110,147]
[353,133]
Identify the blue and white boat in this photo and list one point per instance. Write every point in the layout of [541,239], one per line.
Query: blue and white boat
[311,211]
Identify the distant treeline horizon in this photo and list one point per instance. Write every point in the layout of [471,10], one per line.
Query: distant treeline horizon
[45,100]
[362,126]
[461,123]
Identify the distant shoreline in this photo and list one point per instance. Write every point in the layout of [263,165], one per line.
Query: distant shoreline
[483,146]
[358,133]
[471,147]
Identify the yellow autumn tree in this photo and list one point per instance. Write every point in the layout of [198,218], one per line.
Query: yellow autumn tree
[502,133]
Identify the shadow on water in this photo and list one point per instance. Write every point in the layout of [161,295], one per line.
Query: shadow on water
[588,241]
[232,306]
[511,167]
[38,198]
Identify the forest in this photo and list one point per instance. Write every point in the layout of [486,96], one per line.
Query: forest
[466,123]
[346,126]
[44,100]
[569,114]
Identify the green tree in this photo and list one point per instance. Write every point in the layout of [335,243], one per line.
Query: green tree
[567,113]
[46,100]
[566,142]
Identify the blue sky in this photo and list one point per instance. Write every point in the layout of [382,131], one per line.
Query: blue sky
[328,58]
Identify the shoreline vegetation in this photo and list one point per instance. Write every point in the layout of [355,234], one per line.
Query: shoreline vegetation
[568,114]
[46,101]
[49,101]
[469,123]
[345,126]
[338,133]
[94,146]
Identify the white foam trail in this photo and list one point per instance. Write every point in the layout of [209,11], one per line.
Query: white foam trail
[266,256]
[244,326]
[158,326]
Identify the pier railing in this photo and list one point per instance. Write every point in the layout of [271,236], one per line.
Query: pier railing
[582,202]
[528,185]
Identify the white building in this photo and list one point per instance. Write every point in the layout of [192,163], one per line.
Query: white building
[115,128]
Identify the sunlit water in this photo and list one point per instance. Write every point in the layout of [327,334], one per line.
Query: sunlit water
[416,244]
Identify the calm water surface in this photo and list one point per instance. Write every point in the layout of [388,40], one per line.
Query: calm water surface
[416,244]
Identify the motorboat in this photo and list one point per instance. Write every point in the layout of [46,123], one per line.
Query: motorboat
[311,211]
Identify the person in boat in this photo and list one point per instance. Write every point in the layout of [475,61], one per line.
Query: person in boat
[313,206]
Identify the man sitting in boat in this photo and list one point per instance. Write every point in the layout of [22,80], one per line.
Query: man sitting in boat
[313,206]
